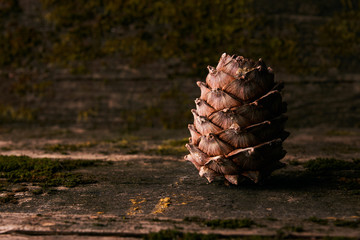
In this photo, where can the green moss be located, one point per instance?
(177, 142)
(341, 174)
(318, 220)
(123, 143)
(155, 26)
(99, 224)
(151, 30)
(171, 234)
(20, 113)
(331, 164)
(223, 223)
(42, 171)
(294, 162)
(193, 219)
(24, 84)
(77, 32)
(337, 132)
(338, 238)
(85, 115)
(20, 87)
(344, 25)
(170, 147)
(294, 228)
(230, 223)
(354, 191)
(345, 223)
(17, 43)
(127, 143)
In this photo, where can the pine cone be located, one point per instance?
(238, 125)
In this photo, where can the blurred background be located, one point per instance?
(129, 65)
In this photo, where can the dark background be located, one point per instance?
(133, 64)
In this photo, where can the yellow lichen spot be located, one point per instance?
(162, 205)
(136, 206)
(139, 201)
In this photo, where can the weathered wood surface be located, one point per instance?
(125, 200)
(325, 123)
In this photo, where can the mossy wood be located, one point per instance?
(239, 120)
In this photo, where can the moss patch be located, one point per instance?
(318, 220)
(193, 219)
(294, 162)
(294, 228)
(331, 164)
(78, 39)
(337, 132)
(230, 223)
(128, 143)
(147, 31)
(222, 223)
(345, 223)
(170, 147)
(170, 234)
(42, 171)
(341, 174)
(174, 234)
